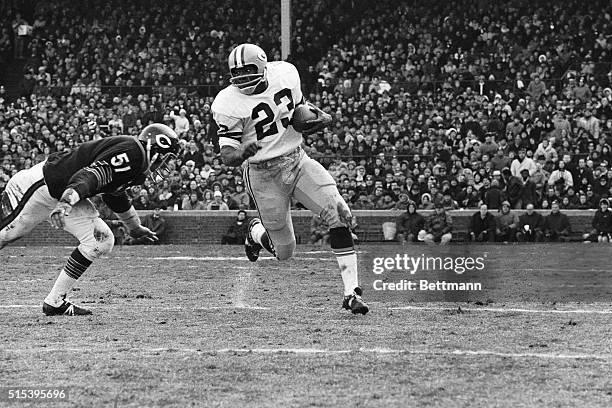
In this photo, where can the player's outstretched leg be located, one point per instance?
(341, 242)
(55, 303)
(96, 240)
(256, 239)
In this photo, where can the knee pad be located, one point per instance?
(99, 243)
(284, 251)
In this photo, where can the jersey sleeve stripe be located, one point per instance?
(102, 171)
(233, 135)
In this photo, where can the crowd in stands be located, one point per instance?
(452, 103)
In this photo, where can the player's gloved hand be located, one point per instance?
(58, 214)
(57, 217)
(323, 119)
(248, 150)
(140, 232)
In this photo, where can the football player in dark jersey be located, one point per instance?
(59, 188)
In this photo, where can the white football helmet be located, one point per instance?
(247, 65)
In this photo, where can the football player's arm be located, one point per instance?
(83, 184)
(322, 120)
(230, 131)
(122, 206)
(234, 157)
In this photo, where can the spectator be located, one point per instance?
(506, 224)
(438, 226)
(409, 224)
(601, 187)
(531, 226)
(513, 188)
(156, 223)
(536, 88)
(181, 123)
(217, 203)
(237, 232)
(193, 154)
(528, 191)
(561, 179)
(590, 123)
(501, 160)
(546, 150)
(192, 202)
(240, 199)
(558, 226)
(522, 162)
(602, 224)
(493, 197)
(482, 226)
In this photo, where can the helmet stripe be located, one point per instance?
(237, 60)
(242, 53)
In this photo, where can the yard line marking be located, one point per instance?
(502, 310)
(153, 307)
(325, 352)
(25, 281)
(238, 300)
(228, 258)
(196, 258)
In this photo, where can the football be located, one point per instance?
(301, 115)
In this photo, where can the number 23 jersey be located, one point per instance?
(264, 117)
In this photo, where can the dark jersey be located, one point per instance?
(106, 166)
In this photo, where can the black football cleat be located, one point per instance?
(252, 248)
(66, 308)
(355, 303)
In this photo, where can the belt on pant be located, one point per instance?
(266, 164)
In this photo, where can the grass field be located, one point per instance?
(178, 326)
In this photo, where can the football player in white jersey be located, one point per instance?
(254, 115)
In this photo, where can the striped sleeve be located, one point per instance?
(91, 179)
(230, 130)
(103, 172)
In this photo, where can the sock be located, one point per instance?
(74, 268)
(341, 242)
(260, 235)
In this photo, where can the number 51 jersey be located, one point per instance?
(264, 117)
(108, 165)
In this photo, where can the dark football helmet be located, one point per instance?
(162, 146)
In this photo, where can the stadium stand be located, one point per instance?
(432, 101)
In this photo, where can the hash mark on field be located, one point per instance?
(327, 352)
(244, 280)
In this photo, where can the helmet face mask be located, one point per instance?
(161, 144)
(160, 168)
(247, 66)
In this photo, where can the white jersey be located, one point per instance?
(265, 117)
